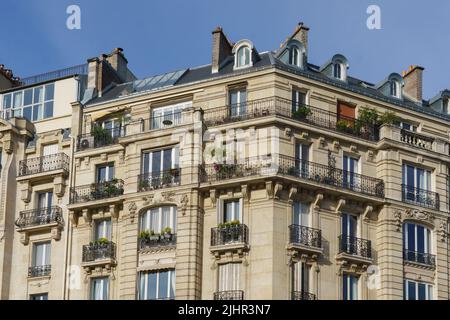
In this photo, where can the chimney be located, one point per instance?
(413, 83)
(221, 49)
(301, 34)
(119, 63)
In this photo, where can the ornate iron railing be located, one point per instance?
(99, 251)
(158, 180)
(417, 140)
(421, 197)
(169, 240)
(305, 236)
(37, 217)
(302, 295)
(229, 295)
(419, 257)
(229, 235)
(66, 72)
(39, 271)
(96, 191)
(58, 161)
(355, 246)
(299, 112)
(289, 166)
(99, 138)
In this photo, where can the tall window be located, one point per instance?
(406, 125)
(105, 173)
(416, 184)
(302, 159)
(230, 210)
(413, 290)
(103, 229)
(349, 228)
(169, 115)
(294, 56)
(100, 288)
(229, 277)
(337, 70)
(157, 285)
(301, 277)
(238, 102)
(41, 254)
(298, 99)
(301, 214)
(349, 287)
(395, 88)
(160, 166)
(44, 199)
(40, 296)
(243, 57)
(113, 126)
(416, 242)
(157, 219)
(350, 168)
(33, 103)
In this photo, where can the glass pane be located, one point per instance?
(37, 112)
(28, 98)
(163, 285)
(345, 287)
(167, 164)
(27, 113)
(172, 284)
(156, 162)
(101, 174)
(48, 110)
(296, 213)
(420, 239)
(151, 286)
(146, 161)
(422, 292)
(411, 290)
(7, 101)
(49, 91)
(165, 218)
(17, 99)
(38, 94)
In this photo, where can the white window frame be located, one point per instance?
(108, 167)
(295, 56)
(428, 289)
(175, 159)
(229, 276)
(103, 280)
(428, 238)
(146, 221)
(237, 65)
(427, 177)
(103, 225)
(46, 254)
(350, 276)
(338, 70)
(144, 276)
(221, 210)
(305, 212)
(159, 112)
(301, 275)
(47, 195)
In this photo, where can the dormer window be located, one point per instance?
(337, 70)
(294, 56)
(243, 57)
(445, 106)
(244, 54)
(395, 89)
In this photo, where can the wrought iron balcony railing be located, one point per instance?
(96, 191)
(417, 140)
(302, 295)
(39, 271)
(305, 236)
(420, 197)
(419, 257)
(289, 166)
(99, 138)
(299, 112)
(355, 246)
(232, 234)
(39, 217)
(58, 161)
(99, 251)
(229, 295)
(167, 240)
(158, 180)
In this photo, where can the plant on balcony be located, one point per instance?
(167, 178)
(292, 171)
(144, 235)
(167, 233)
(344, 126)
(388, 118)
(154, 236)
(102, 242)
(101, 135)
(228, 224)
(144, 184)
(302, 112)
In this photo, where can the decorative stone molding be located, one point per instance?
(56, 233)
(148, 200)
(353, 148)
(318, 200)
(370, 155)
(26, 193)
(104, 157)
(288, 132)
(8, 146)
(245, 192)
(168, 196)
(184, 203)
(292, 193)
(322, 143)
(269, 189)
(367, 212)
(114, 211)
(398, 220)
(87, 216)
(121, 157)
(336, 145)
(132, 208)
(419, 215)
(24, 238)
(442, 231)
(340, 205)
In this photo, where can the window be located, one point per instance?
(243, 57)
(300, 214)
(337, 70)
(229, 277)
(445, 106)
(157, 219)
(406, 126)
(157, 285)
(50, 149)
(230, 210)
(350, 168)
(100, 288)
(416, 243)
(298, 100)
(44, 203)
(105, 173)
(350, 287)
(103, 229)
(395, 88)
(349, 228)
(169, 115)
(40, 296)
(301, 277)
(295, 56)
(33, 103)
(302, 160)
(41, 254)
(413, 290)
(416, 184)
(238, 102)
(160, 166)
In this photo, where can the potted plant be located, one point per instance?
(144, 184)
(145, 234)
(388, 118)
(344, 126)
(235, 223)
(154, 236)
(167, 178)
(302, 112)
(292, 171)
(167, 233)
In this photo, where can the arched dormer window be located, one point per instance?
(337, 70)
(243, 52)
(395, 88)
(339, 66)
(293, 53)
(294, 56)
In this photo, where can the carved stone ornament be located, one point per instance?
(183, 203)
(419, 215)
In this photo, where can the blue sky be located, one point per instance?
(166, 35)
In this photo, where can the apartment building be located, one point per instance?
(258, 176)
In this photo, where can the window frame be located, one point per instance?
(144, 277)
(145, 220)
(92, 287)
(429, 288)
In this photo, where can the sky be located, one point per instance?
(165, 35)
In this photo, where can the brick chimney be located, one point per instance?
(221, 49)
(413, 83)
(301, 34)
(119, 63)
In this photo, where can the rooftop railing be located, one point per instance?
(417, 140)
(62, 73)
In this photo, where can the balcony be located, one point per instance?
(292, 167)
(416, 140)
(355, 249)
(420, 197)
(98, 138)
(40, 217)
(96, 191)
(229, 238)
(40, 165)
(419, 258)
(58, 74)
(98, 254)
(159, 180)
(302, 295)
(229, 295)
(305, 239)
(158, 241)
(284, 107)
(166, 121)
(39, 271)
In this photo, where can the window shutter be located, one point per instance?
(241, 210)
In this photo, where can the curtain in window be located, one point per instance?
(350, 167)
(229, 276)
(157, 219)
(301, 276)
(350, 287)
(157, 285)
(100, 288)
(42, 253)
(103, 230)
(300, 214)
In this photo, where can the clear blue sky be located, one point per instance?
(160, 36)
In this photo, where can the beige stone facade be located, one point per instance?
(255, 177)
